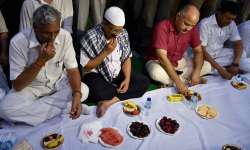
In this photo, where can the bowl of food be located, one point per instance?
(111, 137)
(138, 130)
(206, 112)
(230, 147)
(167, 125)
(52, 141)
(131, 108)
(239, 85)
(191, 93)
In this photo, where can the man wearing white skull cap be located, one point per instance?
(115, 16)
(106, 61)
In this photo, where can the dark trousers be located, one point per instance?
(100, 89)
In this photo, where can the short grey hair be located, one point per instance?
(45, 15)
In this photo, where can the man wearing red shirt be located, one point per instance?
(170, 40)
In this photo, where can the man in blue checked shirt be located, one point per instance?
(106, 61)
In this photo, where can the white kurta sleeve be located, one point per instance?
(203, 34)
(70, 56)
(67, 21)
(84, 59)
(17, 60)
(26, 15)
(235, 36)
(244, 30)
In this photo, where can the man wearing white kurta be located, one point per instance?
(64, 6)
(3, 56)
(41, 88)
(86, 8)
(244, 29)
(214, 32)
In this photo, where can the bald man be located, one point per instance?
(171, 38)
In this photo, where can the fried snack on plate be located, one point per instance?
(206, 111)
(239, 85)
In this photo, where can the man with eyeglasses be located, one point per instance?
(171, 38)
(106, 61)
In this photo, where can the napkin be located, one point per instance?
(90, 132)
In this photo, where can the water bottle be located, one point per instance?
(194, 100)
(147, 106)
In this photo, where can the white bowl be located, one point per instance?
(204, 117)
(160, 129)
(108, 145)
(135, 137)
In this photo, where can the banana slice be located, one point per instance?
(129, 106)
(52, 141)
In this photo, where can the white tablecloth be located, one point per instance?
(231, 126)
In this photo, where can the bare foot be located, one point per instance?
(104, 105)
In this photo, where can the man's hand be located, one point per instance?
(195, 78)
(233, 70)
(123, 86)
(95, 62)
(182, 88)
(76, 107)
(47, 51)
(111, 45)
(225, 74)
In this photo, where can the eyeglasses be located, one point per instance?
(115, 32)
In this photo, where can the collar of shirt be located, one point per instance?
(43, 2)
(213, 21)
(171, 27)
(33, 42)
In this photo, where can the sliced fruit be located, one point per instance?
(129, 106)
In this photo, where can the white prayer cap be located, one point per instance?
(115, 16)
